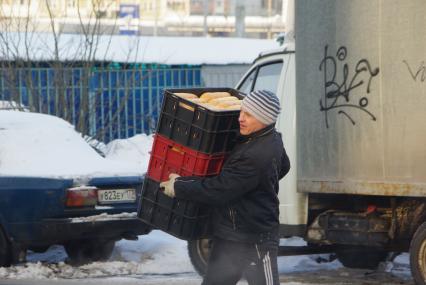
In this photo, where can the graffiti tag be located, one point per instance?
(339, 96)
(420, 73)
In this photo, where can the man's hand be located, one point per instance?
(169, 188)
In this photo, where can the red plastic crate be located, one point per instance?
(168, 157)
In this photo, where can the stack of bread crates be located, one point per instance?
(196, 129)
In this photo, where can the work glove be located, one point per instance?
(169, 185)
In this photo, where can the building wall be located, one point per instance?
(157, 17)
(151, 9)
(39, 9)
(227, 7)
(148, 8)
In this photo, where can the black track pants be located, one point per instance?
(230, 261)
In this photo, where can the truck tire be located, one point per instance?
(361, 257)
(199, 251)
(85, 251)
(418, 255)
(5, 250)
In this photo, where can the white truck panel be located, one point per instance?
(361, 96)
(293, 205)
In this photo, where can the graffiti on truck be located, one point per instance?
(339, 90)
(419, 74)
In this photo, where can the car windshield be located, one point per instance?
(39, 145)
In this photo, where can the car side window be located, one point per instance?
(268, 77)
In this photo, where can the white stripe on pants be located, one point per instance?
(267, 269)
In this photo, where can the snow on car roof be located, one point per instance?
(39, 145)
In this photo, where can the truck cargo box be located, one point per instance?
(361, 97)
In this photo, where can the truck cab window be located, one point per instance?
(264, 77)
(268, 77)
(245, 87)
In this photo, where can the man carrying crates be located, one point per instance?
(245, 219)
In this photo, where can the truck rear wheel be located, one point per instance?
(418, 255)
(199, 252)
(361, 257)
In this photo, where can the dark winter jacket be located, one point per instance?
(244, 194)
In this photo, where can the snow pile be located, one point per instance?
(152, 254)
(400, 266)
(135, 150)
(104, 217)
(33, 144)
(11, 105)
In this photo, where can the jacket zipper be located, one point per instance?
(232, 216)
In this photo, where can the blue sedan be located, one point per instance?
(55, 189)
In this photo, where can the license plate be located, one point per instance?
(116, 196)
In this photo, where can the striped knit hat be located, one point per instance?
(263, 105)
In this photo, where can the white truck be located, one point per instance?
(354, 126)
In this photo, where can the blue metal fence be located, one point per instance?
(104, 102)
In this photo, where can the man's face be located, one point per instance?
(249, 124)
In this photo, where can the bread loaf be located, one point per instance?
(225, 104)
(223, 99)
(204, 100)
(233, 107)
(196, 100)
(209, 106)
(186, 95)
(215, 101)
(214, 95)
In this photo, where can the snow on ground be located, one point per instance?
(152, 254)
(160, 254)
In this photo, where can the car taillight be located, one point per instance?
(81, 196)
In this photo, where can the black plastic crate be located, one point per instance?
(181, 218)
(197, 127)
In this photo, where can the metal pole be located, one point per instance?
(205, 13)
(269, 18)
(155, 17)
(240, 14)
